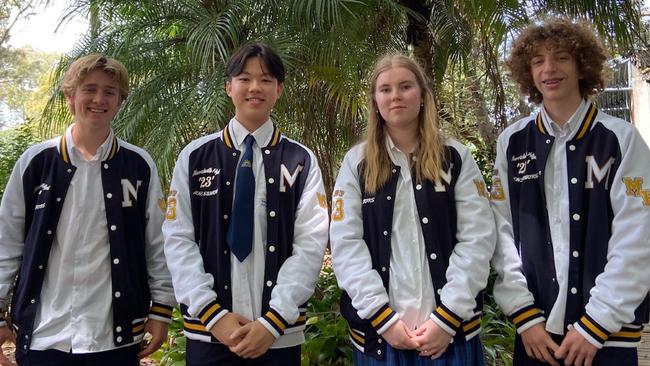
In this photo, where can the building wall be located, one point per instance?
(641, 104)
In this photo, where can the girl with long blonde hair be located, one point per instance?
(412, 231)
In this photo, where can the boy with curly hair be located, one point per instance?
(572, 204)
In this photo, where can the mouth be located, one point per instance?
(255, 99)
(552, 81)
(98, 110)
(395, 108)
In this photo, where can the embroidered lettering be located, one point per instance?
(162, 205)
(446, 176)
(39, 207)
(337, 211)
(594, 170)
(633, 186)
(368, 200)
(322, 200)
(645, 195)
(480, 188)
(171, 206)
(42, 187)
(289, 178)
(129, 191)
(497, 193)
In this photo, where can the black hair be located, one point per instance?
(271, 60)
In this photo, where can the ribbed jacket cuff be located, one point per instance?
(383, 319)
(211, 313)
(161, 312)
(595, 333)
(274, 322)
(447, 319)
(526, 317)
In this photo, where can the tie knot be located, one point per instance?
(249, 140)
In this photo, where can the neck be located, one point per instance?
(251, 126)
(561, 111)
(406, 139)
(88, 140)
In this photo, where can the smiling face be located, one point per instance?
(254, 93)
(556, 75)
(398, 97)
(95, 101)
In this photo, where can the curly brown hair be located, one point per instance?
(576, 38)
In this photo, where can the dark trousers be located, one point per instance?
(212, 354)
(605, 356)
(126, 356)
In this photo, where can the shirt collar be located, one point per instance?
(571, 125)
(102, 152)
(262, 135)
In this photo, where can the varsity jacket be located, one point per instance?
(459, 239)
(609, 205)
(198, 216)
(29, 214)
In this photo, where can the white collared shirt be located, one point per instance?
(410, 289)
(75, 311)
(556, 190)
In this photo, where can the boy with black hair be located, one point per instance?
(246, 227)
(80, 222)
(572, 205)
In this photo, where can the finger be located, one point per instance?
(439, 353)
(242, 319)
(570, 357)
(240, 332)
(548, 357)
(529, 351)
(550, 343)
(561, 351)
(579, 359)
(589, 359)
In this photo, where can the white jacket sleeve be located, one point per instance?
(350, 255)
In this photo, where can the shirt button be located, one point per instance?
(116, 261)
(105, 166)
(58, 199)
(425, 220)
(574, 290)
(227, 182)
(569, 327)
(418, 186)
(49, 232)
(118, 329)
(113, 227)
(378, 351)
(383, 269)
(574, 180)
(117, 294)
(271, 180)
(119, 339)
(548, 141)
(576, 217)
(69, 170)
(394, 170)
(234, 154)
(40, 266)
(553, 279)
(272, 213)
(267, 151)
(225, 287)
(32, 301)
(389, 198)
(225, 251)
(572, 147)
(385, 233)
(575, 254)
(380, 341)
(433, 256)
(271, 248)
(269, 283)
(438, 291)
(225, 217)
(109, 195)
(25, 347)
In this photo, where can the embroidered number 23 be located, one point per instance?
(337, 210)
(205, 182)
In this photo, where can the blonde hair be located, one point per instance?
(79, 69)
(429, 152)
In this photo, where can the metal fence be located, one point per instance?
(616, 99)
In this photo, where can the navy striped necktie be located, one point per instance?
(240, 230)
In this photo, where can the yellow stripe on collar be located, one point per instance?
(587, 122)
(63, 150)
(226, 137)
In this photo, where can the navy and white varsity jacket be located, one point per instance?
(608, 178)
(198, 215)
(459, 238)
(29, 214)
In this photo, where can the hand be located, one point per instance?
(6, 335)
(255, 340)
(224, 328)
(158, 331)
(432, 339)
(539, 344)
(399, 336)
(576, 350)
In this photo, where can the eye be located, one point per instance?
(243, 79)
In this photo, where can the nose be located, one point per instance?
(255, 85)
(99, 97)
(395, 94)
(549, 65)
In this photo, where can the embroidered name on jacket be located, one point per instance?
(129, 191)
(289, 178)
(205, 178)
(521, 163)
(594, 170)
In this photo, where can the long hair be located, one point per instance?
(429, 151)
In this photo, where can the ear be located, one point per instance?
(228, 88)
(280, 89)
(69, 99)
